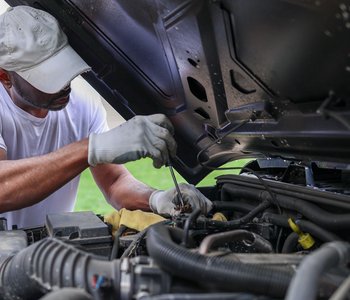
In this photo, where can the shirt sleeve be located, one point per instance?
(91, 107)
(99, 118)
(2, 142)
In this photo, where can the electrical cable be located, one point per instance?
(133, 245)
(115, 247)
(139, 237)
(191, 218)
(279, 237)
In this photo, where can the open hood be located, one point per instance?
(237, 78)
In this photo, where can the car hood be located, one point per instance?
(237, 78)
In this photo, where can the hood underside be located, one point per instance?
(237, 78)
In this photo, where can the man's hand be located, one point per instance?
(163, 202)
(141, 136)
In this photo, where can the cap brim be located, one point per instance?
(56, 72)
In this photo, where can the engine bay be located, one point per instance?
(237, 79)
(259, 234)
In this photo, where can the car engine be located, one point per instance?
(238, 79)
(259, 242)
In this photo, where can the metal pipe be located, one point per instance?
(251, 240)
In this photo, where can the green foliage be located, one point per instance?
(91, 198)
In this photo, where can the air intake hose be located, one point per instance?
(218, 271)
(52, 264)
(305, 283)
(67, 294)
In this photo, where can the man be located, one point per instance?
(49, 133)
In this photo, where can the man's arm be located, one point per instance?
(25, 182)
(120, 188)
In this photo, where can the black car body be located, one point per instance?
(262, 79)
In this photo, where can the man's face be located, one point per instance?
(26, 94)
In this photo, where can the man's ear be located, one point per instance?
(5, 78)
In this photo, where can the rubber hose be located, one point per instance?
(67, 294)
(343, 291)
(322, 234)
(309, 210)
(250, 215)
(279, 220)
(304, 285)
(290, 243)
(51, 264)
(306, 226)
(232, 205)
(234, 224)
(211, 296)
(189, 221)
(291, 190)
(218, 271)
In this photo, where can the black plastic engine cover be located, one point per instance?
(81, 228)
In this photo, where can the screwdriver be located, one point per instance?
(180, 202)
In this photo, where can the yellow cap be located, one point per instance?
(219, 217)
(305, 239)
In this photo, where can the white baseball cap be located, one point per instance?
(33, 45)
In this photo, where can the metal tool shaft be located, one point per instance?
(179, 196)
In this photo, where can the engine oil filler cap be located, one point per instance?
(305, 239)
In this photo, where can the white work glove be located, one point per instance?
(163, 202)
(141, 136)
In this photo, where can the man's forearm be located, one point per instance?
(120, 188)
(132, 194)
(27, 181)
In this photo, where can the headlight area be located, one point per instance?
(274, 242)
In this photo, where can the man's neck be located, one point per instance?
(34, 111)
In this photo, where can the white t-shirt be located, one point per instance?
(23, 135)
